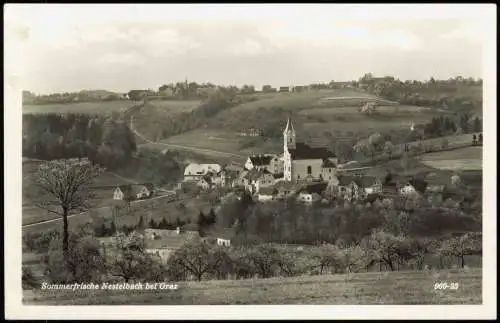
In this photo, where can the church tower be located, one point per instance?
(289, 136)
(288, 143)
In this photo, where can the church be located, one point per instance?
(304, 163)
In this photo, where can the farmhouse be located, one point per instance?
(195, 172)
(302, 162)
(164, 244)
(350, 188)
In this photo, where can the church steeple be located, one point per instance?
(289, 136)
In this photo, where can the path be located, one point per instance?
(195, 149)
(102, 207)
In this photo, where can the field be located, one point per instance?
(107, 107)
(395, 288)
(104, 185)
(469, 158)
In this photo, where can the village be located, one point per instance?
(304, 174)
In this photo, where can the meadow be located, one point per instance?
(390, 288)
(169, 107)
(469, 158)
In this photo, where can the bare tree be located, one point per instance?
(64, 183)
(197, 258)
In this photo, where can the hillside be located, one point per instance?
(397, 288)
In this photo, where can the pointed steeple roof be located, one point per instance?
(289, 126)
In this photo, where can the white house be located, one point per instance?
(134, 191)
(311, 193)
(407, 189)
(223, 242)
(306, 197)
(371, 185)
(194, 172)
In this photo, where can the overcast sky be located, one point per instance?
(127, 47)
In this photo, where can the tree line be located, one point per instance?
(105, 140)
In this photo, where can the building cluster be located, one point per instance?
(307, 173)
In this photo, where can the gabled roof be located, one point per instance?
(368, 181)
(303, 151)
(201, 169)
(261, 160)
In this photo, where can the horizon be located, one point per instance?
(257, 88)
(66, 48)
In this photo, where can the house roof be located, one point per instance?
(327, 163)
(261, 160)
(267, 191)
(304, 151)
(130, 189)
(368, 180)
(201, 169)
(317, 188)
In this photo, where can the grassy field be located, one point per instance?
(80, 107)
(469, 158)
(394, 288)
(106, 107)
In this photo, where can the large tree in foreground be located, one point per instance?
(65, 187)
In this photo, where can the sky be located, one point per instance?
(122, 47)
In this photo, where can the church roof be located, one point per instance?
(303, 151)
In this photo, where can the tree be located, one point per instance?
(383, 247)
(130, 258)
(65, 184)
(480, 138)
(459, 247)
(140, 224)
(352, 258)
(196, 258)
(325, 257)
(474, 139)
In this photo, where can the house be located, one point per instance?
(284, 89)
(259, 179)
(221, 237)
(220, 179)
(328, 170)
(205, 182)
(145, 191)
(133, 191)
(195, 172)
(298, 88)
(371, 185)
(406, 189)
(285, 189)
(269, 162)
(350, 188)
(267, 194)
(164, 245)
(311, 193)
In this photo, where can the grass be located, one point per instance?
(106, 107)
(80, 107)
(394, 288)
(469, 158)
